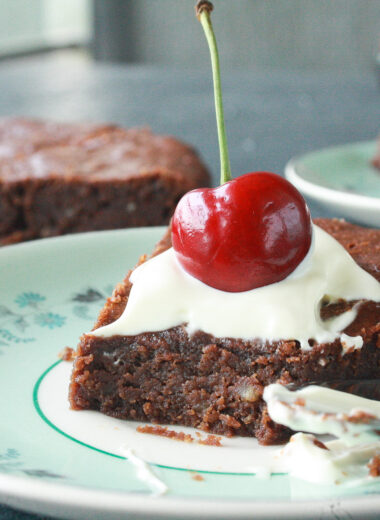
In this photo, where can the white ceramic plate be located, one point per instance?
(68, 464)
(340, 179)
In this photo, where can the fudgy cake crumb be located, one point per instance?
(216, 384)
(162, 431)
(58, 178)
(67, 354)
(197, 477)
(320, 444)
(374, 466)
(211, 440)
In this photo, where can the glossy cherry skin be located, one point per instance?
(250, 232)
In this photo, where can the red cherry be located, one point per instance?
(249, 232)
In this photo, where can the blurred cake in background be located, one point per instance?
(58, 178)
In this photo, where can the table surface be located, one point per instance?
(270, 117)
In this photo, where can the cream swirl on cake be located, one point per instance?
(354, 421)
(163, 296)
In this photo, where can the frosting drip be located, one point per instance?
(163, 296)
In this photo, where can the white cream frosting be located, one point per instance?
(324, 411)
(145, 473)
(163, 295)
(321, 410)
(339, 464)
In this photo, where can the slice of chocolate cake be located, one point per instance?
(216, 384)
(58, 178)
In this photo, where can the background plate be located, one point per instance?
(50, 292)
(341, 179)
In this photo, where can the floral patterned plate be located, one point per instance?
(341, 179)
(50, 292)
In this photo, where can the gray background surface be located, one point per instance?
(252, 34)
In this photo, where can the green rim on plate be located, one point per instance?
(341, 180)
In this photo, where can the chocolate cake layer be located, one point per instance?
(64, 178)
(216, 384)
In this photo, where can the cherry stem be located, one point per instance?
(203, 10)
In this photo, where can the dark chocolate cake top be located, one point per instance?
(41, 149)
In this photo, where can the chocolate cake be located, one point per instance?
(58, 178)
(216, 384)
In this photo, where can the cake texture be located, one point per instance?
(216, 384)
(58, 178)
